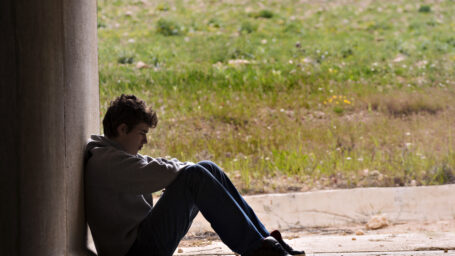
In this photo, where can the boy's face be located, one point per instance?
(132, 141)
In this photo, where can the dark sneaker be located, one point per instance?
(277, 235)
(269, 247)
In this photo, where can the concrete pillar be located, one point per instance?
(49, 104)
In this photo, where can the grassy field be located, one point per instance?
(291, 95)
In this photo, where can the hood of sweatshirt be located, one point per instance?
(99, 141)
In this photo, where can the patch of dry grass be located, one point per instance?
(268, 146)
(401, 104)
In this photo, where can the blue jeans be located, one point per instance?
(201, 187)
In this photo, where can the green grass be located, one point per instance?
(288, 95)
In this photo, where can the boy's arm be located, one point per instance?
(134, 174)
(172, 160)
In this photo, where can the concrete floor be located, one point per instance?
(420, 221)
(432, 243)
(403, 253)
(414, 238)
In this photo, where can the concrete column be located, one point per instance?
(49, 104)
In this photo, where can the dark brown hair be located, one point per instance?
(130, 110)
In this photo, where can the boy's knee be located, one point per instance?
(194, 169)
(197, 171)
(207, 164)
(212, 168)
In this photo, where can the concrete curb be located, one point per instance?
(340, 207)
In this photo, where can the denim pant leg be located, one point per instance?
(195, 189)
(226, 182)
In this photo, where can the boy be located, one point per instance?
(119, 205)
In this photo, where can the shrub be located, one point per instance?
(266, 14)
(425, 8)
(125, 59)
(247, 27)
(162, 8)
(338, 110)
(442, 175)
(168, 28)
(214, 23)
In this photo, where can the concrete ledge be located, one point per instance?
(339, 207)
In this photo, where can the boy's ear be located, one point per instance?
(122, 129)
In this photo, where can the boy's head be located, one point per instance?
(127, 120)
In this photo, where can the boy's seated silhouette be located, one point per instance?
(119, 205)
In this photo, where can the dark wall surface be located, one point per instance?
(9, 196)
(49, 106)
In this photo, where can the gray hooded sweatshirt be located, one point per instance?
(117, 192)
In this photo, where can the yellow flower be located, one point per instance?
(347, 102)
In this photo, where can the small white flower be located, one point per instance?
(348, 158)
(408, 134)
